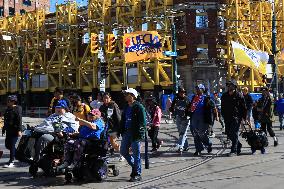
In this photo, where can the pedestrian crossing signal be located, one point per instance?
(94, 43)
(111, 43)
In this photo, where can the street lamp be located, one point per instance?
(274, 49)
(20, 56)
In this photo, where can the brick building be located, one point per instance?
(7, 7)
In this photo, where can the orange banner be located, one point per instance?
(142, 45)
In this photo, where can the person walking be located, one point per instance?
(80, 109)
(132, 130)
(233, 109)
(280, 110)
(249, 103)
(218, 116)
(168, 106)
(265, 108)
(201, 110)
(180, 108)
(155, 116)
(58, 95)
(112, 117)
(12, 127)
(96, 104)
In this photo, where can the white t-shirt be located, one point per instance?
(96, 104)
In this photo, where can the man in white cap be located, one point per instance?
(132, 129)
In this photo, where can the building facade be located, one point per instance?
(10, 7)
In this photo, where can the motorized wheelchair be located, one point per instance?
(51, 156)
(93, 164)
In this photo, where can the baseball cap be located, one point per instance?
(201, 86)
(132, 91)
(95, 112)
(12, 98)
(61, 104)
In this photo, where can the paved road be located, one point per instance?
(171, 170)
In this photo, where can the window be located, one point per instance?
(11, 11)
(27, 2)
(22, 11)
(201, 19)
(1, 11)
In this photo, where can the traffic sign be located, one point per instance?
(170, 53)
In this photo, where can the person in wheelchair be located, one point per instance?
(89, 130)
(57, 123)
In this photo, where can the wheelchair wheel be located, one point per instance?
(100, 170)
(33, 169)
(68, 177)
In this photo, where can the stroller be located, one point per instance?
(93, 164)
(257, 139)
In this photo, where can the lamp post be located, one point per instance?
(274, 50)
(174, 58)
(20, 54)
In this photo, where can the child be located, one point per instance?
(155, 115)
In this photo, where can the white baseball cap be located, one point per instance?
(132, 91)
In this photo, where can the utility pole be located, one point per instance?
(274, 50)
(174, 58)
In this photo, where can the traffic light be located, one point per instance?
(94, 43)
(111, 43)
(167, 43)
(104, 69)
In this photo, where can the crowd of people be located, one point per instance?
(86, 120)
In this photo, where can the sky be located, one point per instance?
(53, 2)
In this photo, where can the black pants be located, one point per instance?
(232, 127)
(10, 143)
(153, 134)
(267, 126)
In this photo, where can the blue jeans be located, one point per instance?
(181, 126)
(10, 143)
(199, 131)
(281, 116)
(133, 160)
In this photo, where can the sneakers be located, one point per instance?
(253, 151)
(262, 151)
(160, 144)
(9, 165)
(281, 128)
(197, 153)
(209, 149)
(135, 178)
(239, 150)
(276, 142)
(154, 150)
(121, 158)
(212, 135)
(232, 154)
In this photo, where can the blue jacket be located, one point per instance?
(280, 105)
